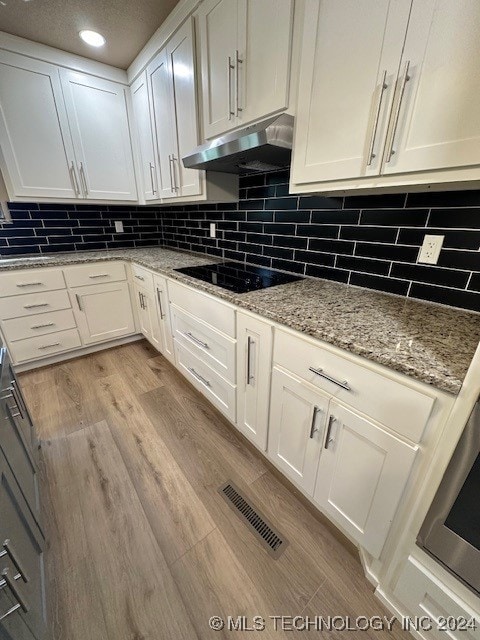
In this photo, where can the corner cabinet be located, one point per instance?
(381, 85)
(63, 134)
(245, 48)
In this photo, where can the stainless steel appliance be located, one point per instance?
(265, 146)
(451, 531)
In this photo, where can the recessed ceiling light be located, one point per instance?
(92, 38)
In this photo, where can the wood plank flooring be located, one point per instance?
(140, 544)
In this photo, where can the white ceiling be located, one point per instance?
(127, 25)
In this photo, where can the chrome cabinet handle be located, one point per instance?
(250, 342)
(79, 304)
(42, 326)
(35, 306)
(199, 377)
(322, 374)
(170, 170)
(328, 439)
(398, 108)
(18, 405)
(197, 340)
(15, 607)
(7, 580)
(152, 169)
(139, 277)
(73, 178)
(174, 171)
(29, 284)
(230, 66)
(313, 428)
(140, 297)
(99, 275)
(173, 175)
(83, 179)
(47, 346)
(238, 61)
(144, 301)
(160, 308)
(10, 552)
(371, 147)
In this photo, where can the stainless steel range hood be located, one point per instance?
(265, 146)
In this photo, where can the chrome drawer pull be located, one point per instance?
(159, 298)
(15, 591)
(152, 170)
(42, 326)
(197, 340)
(322, 374)
(47, 346)
(199, 377)
(139, 277)
(99, 275)
(15, 607)
(396, 118)
(250, 376)
(9, 551)
(313, 428)
(79, 303)
(35, 306)
(17, 402)
(29, 284)
(328, 439)
(371, 149)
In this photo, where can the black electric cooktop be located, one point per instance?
(238, 277)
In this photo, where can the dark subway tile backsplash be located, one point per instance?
(365, 240)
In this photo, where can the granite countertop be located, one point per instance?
(426, 341)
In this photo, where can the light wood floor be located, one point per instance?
(140, 544)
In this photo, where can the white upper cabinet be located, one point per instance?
(97, 114)
(143, 124)
(34, 136)
(245, 51)
(171, 76)
(436, 121)
(350, 59)
(361, 477)
(387, 94)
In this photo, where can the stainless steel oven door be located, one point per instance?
(451, 531)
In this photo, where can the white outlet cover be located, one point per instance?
(213, 230)
(430, 249)
(118, 226)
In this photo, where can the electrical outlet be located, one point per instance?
(118, 226)
(430, 249)
(213, 230)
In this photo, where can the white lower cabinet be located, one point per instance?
(297, 423)
(163, 314)
(361, 477)
(254, 362)
(147, 316)
(103, 311)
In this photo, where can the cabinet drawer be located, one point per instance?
(213, 312)
(423, 594)
(215, 349)
(43, 346)
(388, 401)
(220, 392)
(94, 273)
(31, 280)
(143, 277)
(33, 303)
(38, 325)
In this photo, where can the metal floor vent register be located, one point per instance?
(260, 527)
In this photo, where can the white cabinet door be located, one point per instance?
(143, 124)
(218, 24)
(161, 89)
(97, 113)
(350, 59)
(297, 422)
(163, 314)
(254, 362)
(361, 477)
(182, 70)
(265, 33)
(103, 311)
(148, 316)
(438, 123)
(34, 134)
